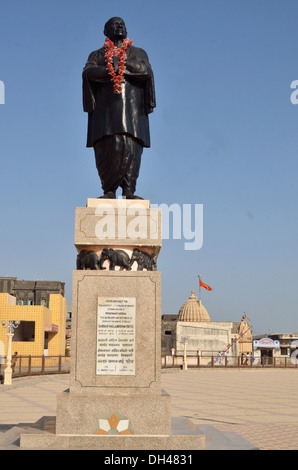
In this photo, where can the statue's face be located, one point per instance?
(115, 28)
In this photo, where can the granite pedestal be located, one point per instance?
(115, 399)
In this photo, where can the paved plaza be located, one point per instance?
(233, 408)
(259, 406)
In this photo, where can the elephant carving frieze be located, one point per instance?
(112, 258)
(144, 260)
(116, 258)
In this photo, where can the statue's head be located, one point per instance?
(115, 28)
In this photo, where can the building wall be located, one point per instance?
(6, 284)
(168, 334)
(37, 314)
(57, 340)
(203, 336)
(31, 292)
(40, 316)
(7, 299)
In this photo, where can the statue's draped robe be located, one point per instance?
(124, 116)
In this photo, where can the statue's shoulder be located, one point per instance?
(138, 52)
(97, 53)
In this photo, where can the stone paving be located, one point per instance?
(234, 408)
(259, 405)
(28, 399)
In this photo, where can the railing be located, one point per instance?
(168, 362)
(43, 365)
(37, 365)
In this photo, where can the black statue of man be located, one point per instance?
(118, 94)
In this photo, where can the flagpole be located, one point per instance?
(200, 275)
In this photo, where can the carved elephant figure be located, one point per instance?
(144, 260)
(116, 258)
(88, 260)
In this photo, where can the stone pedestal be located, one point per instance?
(115, 399)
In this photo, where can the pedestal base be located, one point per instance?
(190, 440)
(100, 415)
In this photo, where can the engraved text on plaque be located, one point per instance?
(116, 336)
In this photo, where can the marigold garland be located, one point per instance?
(120, 52)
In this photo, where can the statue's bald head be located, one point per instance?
(115, 27)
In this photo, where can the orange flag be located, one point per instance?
(205, 285)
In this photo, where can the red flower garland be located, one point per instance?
(120, 52)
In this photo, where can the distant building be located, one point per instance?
(203, 336)
(31, 292)
(281, 348)
(41, 330)
(40, 306)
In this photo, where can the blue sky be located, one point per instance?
(223, 134)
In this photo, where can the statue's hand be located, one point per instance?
(136, 67)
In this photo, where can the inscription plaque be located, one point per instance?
(116, 336)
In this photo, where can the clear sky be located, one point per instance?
(224, 134)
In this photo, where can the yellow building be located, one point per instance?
(41, 331)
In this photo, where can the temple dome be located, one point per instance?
(193, 310)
